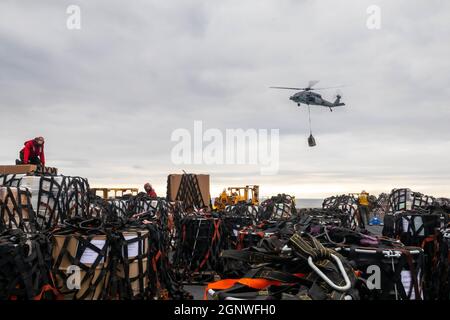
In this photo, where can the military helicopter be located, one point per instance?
(307, 96)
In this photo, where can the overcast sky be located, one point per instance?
(107, 97)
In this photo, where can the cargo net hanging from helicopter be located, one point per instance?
(311, 140)
(309, 97)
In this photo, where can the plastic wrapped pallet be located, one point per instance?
(15, 209)
(56, 198)
(10, 180)
(404, 199)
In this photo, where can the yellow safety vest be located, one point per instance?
(364, 199)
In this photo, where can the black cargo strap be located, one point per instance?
(308, 246)
(12, 211)
(252, 257)
(25, 262)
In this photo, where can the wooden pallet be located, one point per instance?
(26, 168)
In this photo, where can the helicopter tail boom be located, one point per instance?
(337, 102)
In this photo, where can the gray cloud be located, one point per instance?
(108, 96)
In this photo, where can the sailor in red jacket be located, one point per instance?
(150, 191)
(33, 152)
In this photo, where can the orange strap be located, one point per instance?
(215, 235)
(254, 283)
(426, 240)
(47, 288)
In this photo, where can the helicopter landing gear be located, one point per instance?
(331, 110)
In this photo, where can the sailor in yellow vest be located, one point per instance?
(363, 201)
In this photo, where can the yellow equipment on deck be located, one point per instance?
(249, 193)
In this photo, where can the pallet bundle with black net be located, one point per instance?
(279, 207)
(381, 206)
(25, 264)
(98, 207)
(199, 244)
(251, 235)
(114, 261)
(16, 211)
(347, 204)
(54, 198)
(442, 269)
(235, 218)
(155, 210)
(404, 199)
(418, 220)
(10, 180)
(387, 269)
(329, 216)
(113, 208)
(192, 190)
(25, 252)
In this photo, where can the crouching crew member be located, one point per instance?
(33, 152)
(149, 190)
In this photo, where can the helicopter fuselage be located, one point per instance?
(313, 98)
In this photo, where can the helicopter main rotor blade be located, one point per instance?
(288, 88)
(325, 88)
(312, 83)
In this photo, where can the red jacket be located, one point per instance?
(32, 150)
(152, 194)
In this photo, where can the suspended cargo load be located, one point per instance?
(311, 141)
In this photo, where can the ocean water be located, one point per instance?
(300, 203)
